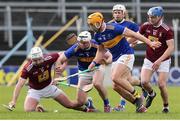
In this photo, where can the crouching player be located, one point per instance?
(85, 51)
(38, 71)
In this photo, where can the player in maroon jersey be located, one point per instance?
(157, 59)
(38, 71)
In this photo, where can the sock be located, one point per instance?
(165, 105)
(145, 94)
(134, 102)
(151, 93)
(84, 109)
(106, 102)
(122, 102)
(87, 104)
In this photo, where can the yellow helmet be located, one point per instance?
(95, 20)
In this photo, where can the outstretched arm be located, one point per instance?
(107, 58)
(129, 33)
(17, 90)
(167, 53)
(60, 65)
(99, 56)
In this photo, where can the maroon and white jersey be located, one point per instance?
(39, 75)
(161, 34)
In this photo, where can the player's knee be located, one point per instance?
(80, 103)
(114, 79)
(97, 85)
(114, 86)
(161, 85)
(144, 83)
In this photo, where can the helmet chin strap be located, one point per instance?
(120, 21)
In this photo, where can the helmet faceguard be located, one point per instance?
(36, 55)
(119, 7)
(84, 36)
(84, 39)
(119, 12)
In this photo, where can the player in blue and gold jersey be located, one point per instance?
(85, 50)
(111, 36)
(120, 16)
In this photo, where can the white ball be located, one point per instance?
(55, 111)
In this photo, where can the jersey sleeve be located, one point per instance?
(71, 51)
(142, 28)
(96, 40)
(119, 29)
(52, 57)
(24, 74)
(169, 35)
(134, 27)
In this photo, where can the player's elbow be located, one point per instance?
(20, 84)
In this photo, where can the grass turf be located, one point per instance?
(154, 112)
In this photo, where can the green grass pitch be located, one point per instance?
(154, 112)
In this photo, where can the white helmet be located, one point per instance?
(36, 52)
(119, 7)
(84, 36)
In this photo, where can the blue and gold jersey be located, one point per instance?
(84, 57)
(129, 24)
(112, 39)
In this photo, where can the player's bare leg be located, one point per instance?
(98, 78)
(82, 96)
(163, 76)
(66, 102)
(137, 82)
(123, 87)
(145, 79)
(30, 104)
(124, 93)
(134, 82)
(120, 75)
(134, 99)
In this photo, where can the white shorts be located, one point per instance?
(86, 78)
(164, 67)
(127, 59)
(51, 91)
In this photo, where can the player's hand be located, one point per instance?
(156, 65)
(133, 44)
(155, 45)
(54, 82)
(92, 65)
(12, 104)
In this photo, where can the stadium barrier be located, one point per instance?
(7, 72)
(47, 43)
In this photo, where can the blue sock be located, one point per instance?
(122, 102)
(88, 104)
(106, 102)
